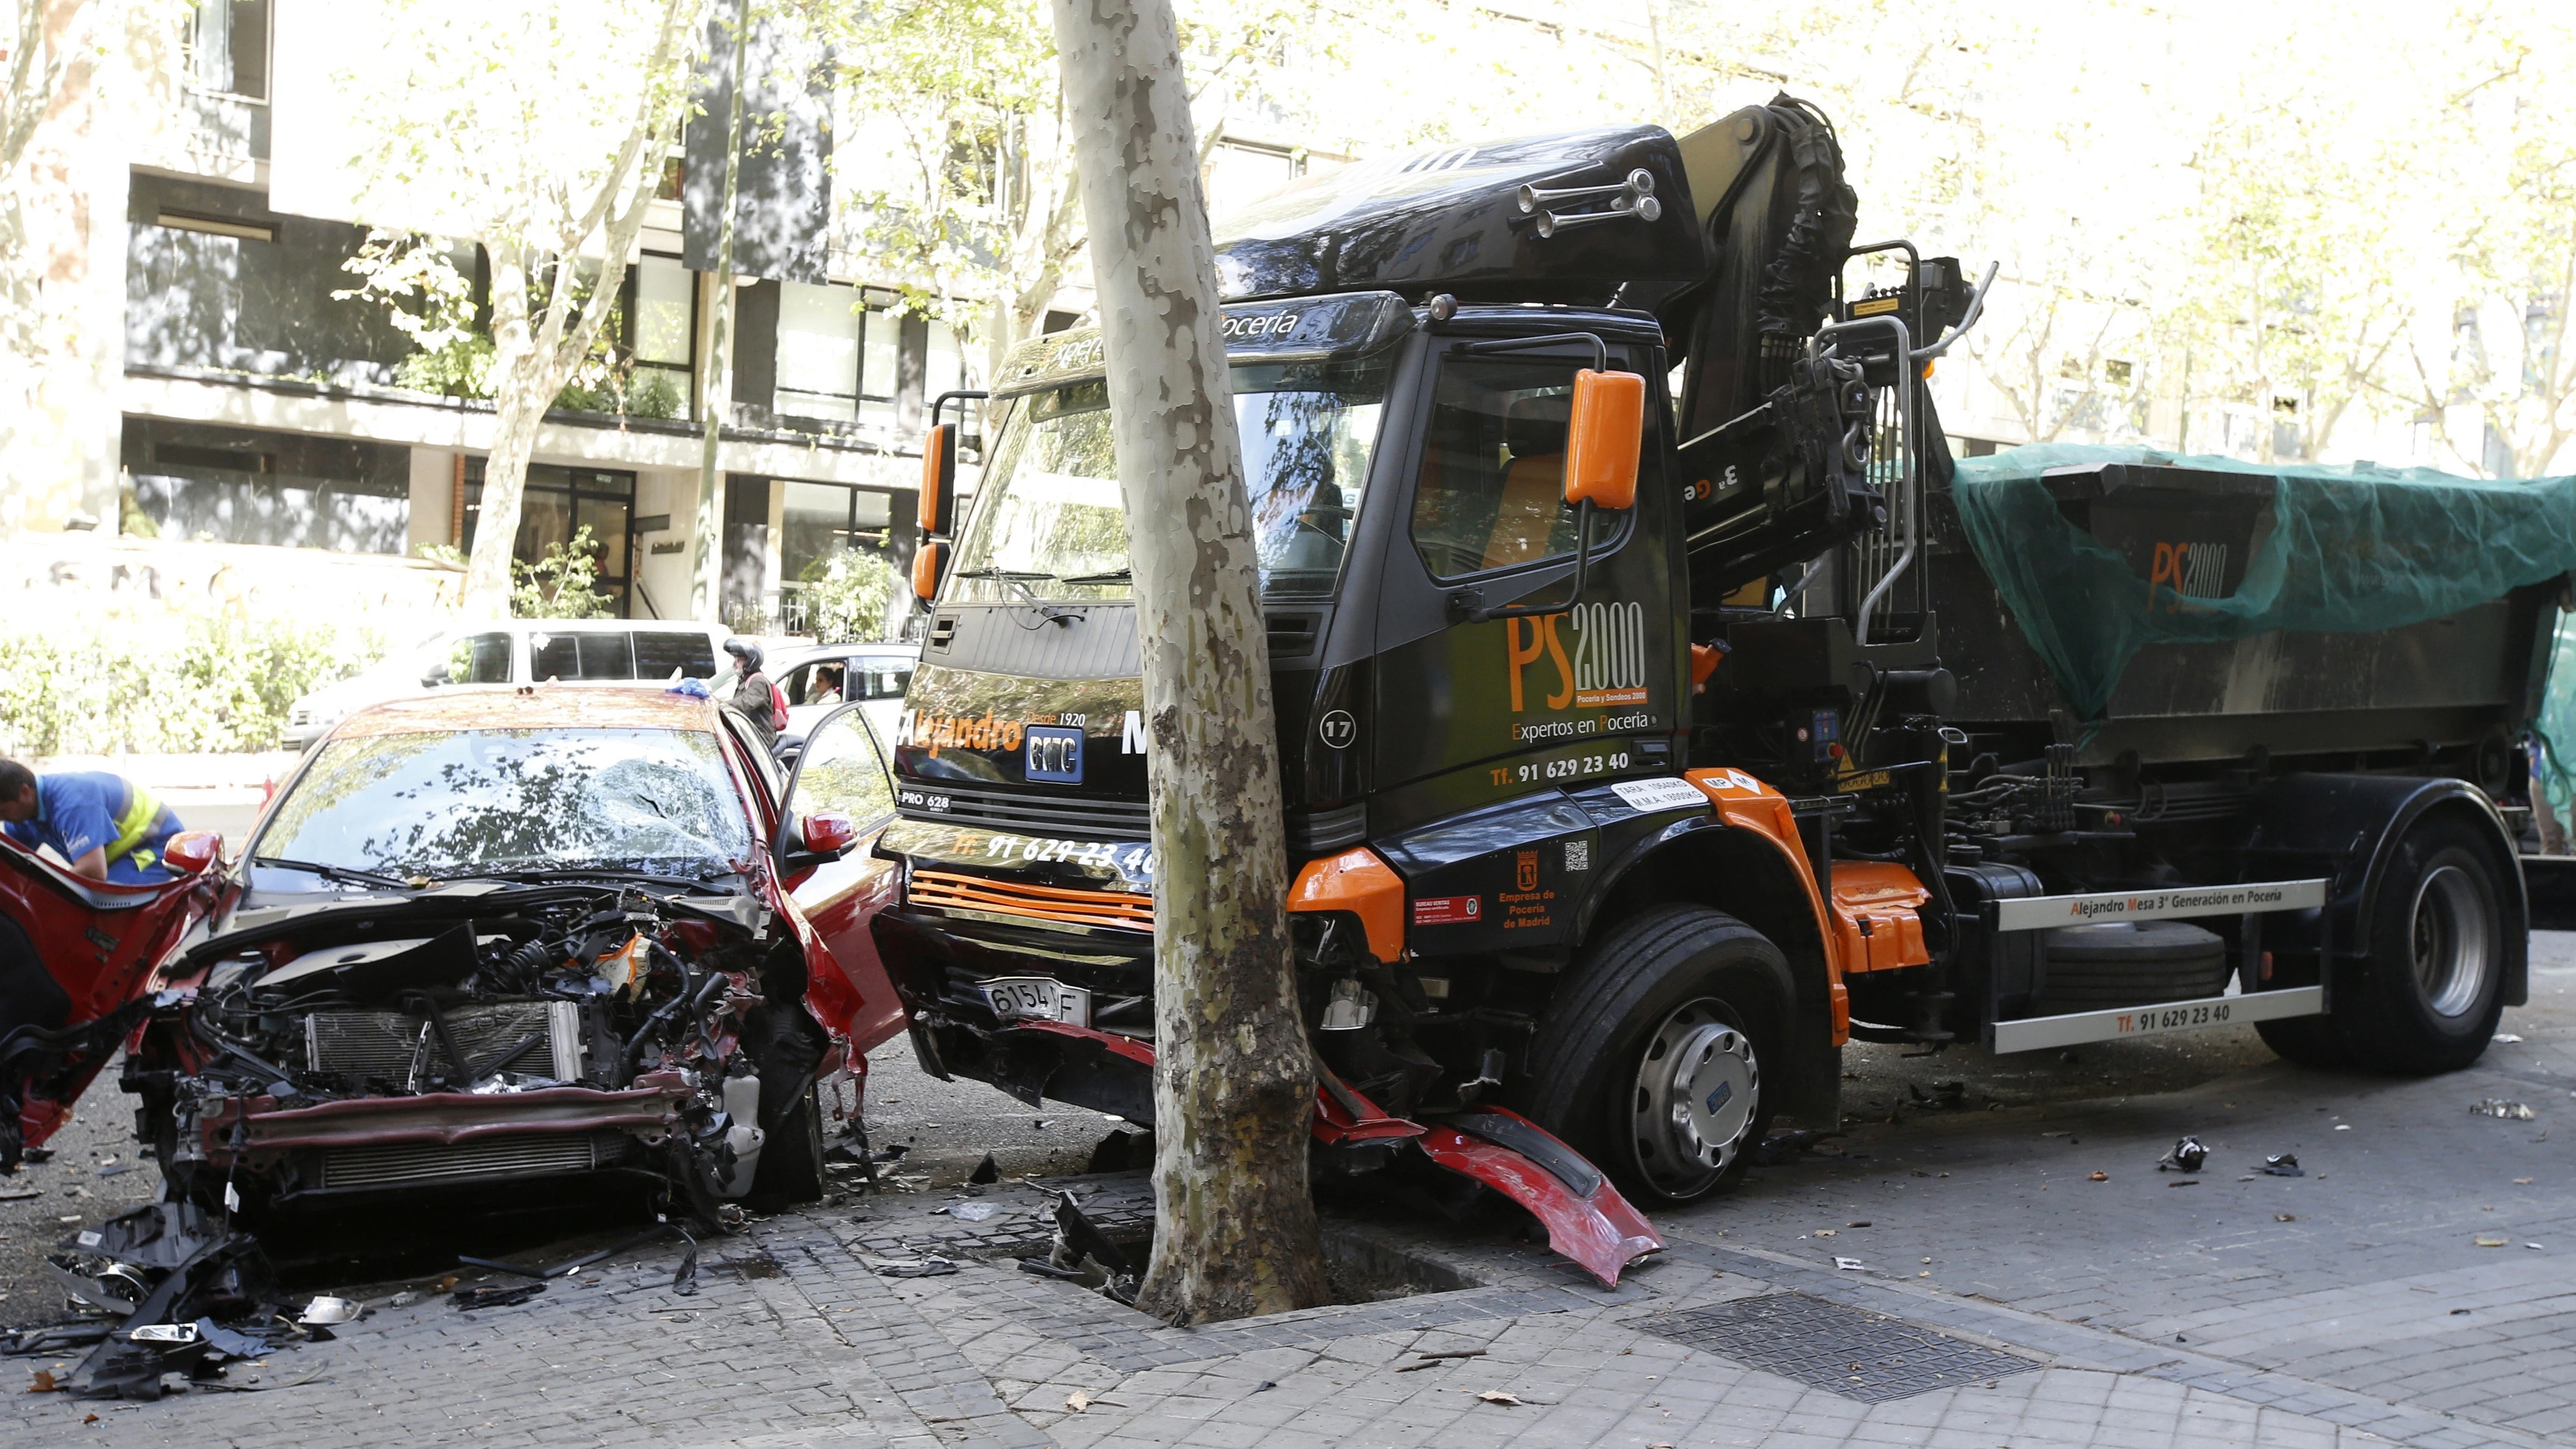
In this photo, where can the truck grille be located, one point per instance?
(398, 1047)
(1030, 812)
(952, 891)
(400, 1162)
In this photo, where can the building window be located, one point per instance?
(662, 334)
(236, 485)
(228, 47)
(558, 503)
(824, 519)
(836, 354)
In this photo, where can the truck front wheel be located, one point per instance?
(1651, 1058)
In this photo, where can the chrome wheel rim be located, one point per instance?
(1698, 1085)
(2451, 941)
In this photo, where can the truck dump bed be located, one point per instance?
(2193, 608)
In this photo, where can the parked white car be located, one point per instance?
(816, 677)
(518, 651)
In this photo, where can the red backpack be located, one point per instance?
(777, 706)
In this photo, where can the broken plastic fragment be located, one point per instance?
(2487, 1241)
(986, 1172)
(2282, 1164)
(2100, 1177)
(2186, 1156)
(324, 1311)
(923, 1267)
(1851, 1265)
(2499, 1107)
(972, 1212)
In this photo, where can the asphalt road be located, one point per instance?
(1889, 1096)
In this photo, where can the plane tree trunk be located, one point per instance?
(1234, 1081)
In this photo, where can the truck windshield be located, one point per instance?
(1048, 521)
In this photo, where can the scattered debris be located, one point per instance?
(470, 1299)
(2285, 1217)
(2186, 1156)
(684, 1279)
(2507, 1036)
(922, 1267)
(1944, 1097)
(1441, 1353)
(986, 1172)
(1077, 1401)
(1785, 1145)
(1851, 1265)
(1083, 1254)
(570, 1266)
(20, 1194)
(1824, 1232)
(1503, 1397)
(1864, 1222)
(188, 1292)
(2099, 1177)
(2535, 1247)
(2499, 1107)
(2486, 1240)
(2184, 1182)
(2522, 1182)
(969, 1212)
(2282, 1164)
(2343, 1126)
(322, 1312)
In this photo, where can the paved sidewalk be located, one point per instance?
(2007, 1299)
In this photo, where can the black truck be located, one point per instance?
(1622, 820)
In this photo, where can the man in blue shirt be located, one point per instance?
(109, 828)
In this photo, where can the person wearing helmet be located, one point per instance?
(754, 698)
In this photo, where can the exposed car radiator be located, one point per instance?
(398, 1047)
(399, 1162)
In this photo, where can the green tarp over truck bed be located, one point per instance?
(2347, 550)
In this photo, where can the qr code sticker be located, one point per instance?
(1578, 855)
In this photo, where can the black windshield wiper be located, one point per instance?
(1017, 579)
(341, 873)
(1106, 576)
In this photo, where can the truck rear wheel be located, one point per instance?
(1651, 1058)
(2433, 989)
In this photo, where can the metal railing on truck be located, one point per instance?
(2252, 901)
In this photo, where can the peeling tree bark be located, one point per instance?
(1234, 1081)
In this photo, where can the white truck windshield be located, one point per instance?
(1048, 521)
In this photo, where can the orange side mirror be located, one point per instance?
(938, 478)
(927, 562)
(1603, 439)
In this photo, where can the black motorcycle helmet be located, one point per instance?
(747, 652)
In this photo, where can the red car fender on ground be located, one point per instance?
(1587, 1221)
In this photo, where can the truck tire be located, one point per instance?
(1650, 1060)
(791, 1163)
(2430, 995)
(2131, 963)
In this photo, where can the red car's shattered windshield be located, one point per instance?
(477, 801)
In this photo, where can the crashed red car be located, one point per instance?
(483, 937)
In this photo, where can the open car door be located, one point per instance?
(76, 959)
(840, 793)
